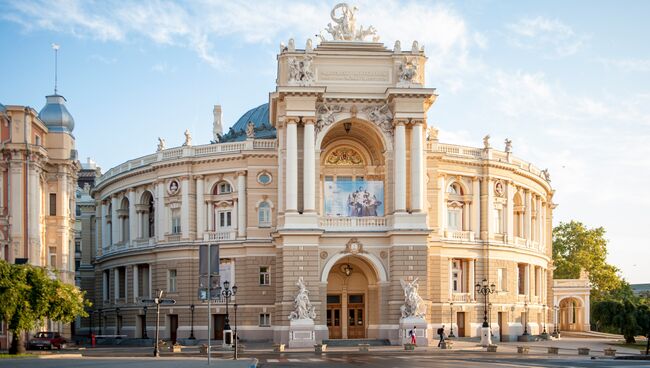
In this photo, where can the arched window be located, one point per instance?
(264, 214)
(455, 207)
(454, 189)
(223, 188)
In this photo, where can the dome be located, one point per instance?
(55, 116)
(259, 116)
(3, 109)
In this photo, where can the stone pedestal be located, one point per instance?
(421, 332)
(227, 338)
(301, 333)
(486, 337)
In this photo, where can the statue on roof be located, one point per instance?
(345, 25)
(161, 144)
(188, 138)
(250, 130)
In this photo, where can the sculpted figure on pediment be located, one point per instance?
(161, 144)
(381, 116)
(408, 72)
(345, 25)
(326, 115)
(300, 71)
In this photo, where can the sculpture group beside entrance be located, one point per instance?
(413, 312)
(301, 328)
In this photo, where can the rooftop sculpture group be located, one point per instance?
(345, 27)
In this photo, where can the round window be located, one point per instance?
(264, 178)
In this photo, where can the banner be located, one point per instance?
(354, 198)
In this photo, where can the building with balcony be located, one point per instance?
(337, 179)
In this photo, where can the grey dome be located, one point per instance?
(259, 116)
(55, 116)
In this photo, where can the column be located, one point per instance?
(241, 204)
(540, 227)
(105, 235)
(527, 281)
(472, 280)
(211, 224)
(292, 165)
(510, 210)
(115, 221)
(399, 155)
(490, 206)
(442, 206)
(136, 290)
(200, 207)
(161, 213)
(116, 284)
(476, 207)
(309, 171)
(417, 173)
(529, 216)
(466, 217)
(451, 289)
(133, 216)
(185, 207)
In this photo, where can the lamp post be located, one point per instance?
(144, 323)
(227, 292)
(117, 322)
(525, 317)
(451, 318)
(235, 336)
(556, 330)
(490, 318)
(192, 319)
(484, 289)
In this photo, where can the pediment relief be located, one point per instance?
(345, 156)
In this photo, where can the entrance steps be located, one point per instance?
(356, 342)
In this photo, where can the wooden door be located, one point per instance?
(460, 320)
(218, 321)
(333, 316)
(173, 327)
(500, 320)
(356, 317)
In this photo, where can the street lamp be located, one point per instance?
(526, 317)
(144, 323)
(485, 290)
(235, 337)
(490, 318)
(451, 318)
(192, 328)
(556, 330)
(117, 322)
(227, 293)
(544, 333)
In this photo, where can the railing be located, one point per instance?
(460, 235)
(461, 297)
(219, 235)
(353, 223)
(187, 151)
(522, 298)
(173, 237)
(521, 242)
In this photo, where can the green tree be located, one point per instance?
(625, 317)
(576, 248)
(29, 295)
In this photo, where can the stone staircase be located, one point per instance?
(355, 342)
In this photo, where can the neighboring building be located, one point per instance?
(37, 197)
(641, 289)
(572, 304)
(337, 180)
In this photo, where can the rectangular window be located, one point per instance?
(143, 281)
(502, 281)
(171, 285)
(521, 279)
(225, 219)
(498, 222)
(120, 283)
(265, 320)
(52, 204)
(265, 276)
(52, 251)
(456, 277)
(37, 140)
(453, 219)
(176, 221)
(105, 284)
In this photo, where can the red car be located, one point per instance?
(49, 340)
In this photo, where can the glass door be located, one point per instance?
(333, 316)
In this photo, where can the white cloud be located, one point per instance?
(550, 36)
(628, 65)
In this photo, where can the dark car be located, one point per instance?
(47, 340)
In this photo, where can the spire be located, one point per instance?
(56, 48)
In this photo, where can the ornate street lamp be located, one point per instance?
(490, 318)
(544, 333)
(144, 323)
(451, 318)
(556, 329)
(192, 328)
(117, 322)
(227, 293)
(485, 290)
(526, 317)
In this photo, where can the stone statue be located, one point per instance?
(161, 144)
(398, 47)
(309, 47)
(508, 145)
(546, 175)
(250, 130)
(345, 25)
(407, 72)
(300, 71)
(86, 188)
(301, 304)
(413, 304)
(432, 134)
(188, 138)
(381, 116)
(217, 128)
(292, 45)
(415, 48)
(486, 142)
(326, 115)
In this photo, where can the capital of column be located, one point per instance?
(184, 177)
(240, 173)
(130, 190)
(198, 177)
(309, 120)
(398, 122)
(291, 119)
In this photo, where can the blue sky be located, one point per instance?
(566, 81)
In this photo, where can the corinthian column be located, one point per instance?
(200, 207)
(292, 165)
(309, 172)
(241, 204)
(399, 157)
(417, 153)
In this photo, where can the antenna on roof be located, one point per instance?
(56, 48)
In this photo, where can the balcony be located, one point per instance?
(354, 223)
(461, 297)
(460, 235)
(219, 235)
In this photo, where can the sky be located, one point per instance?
(567, 81)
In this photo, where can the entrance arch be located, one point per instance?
(352, 295)
(572, 316)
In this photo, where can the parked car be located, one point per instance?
(47, 340)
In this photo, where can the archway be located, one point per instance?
(572, 316)
(352, 297)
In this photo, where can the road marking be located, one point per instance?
(294, 360)
(273, 360)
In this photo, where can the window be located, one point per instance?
(52, 204)
(37, 140)
(176, 221)
(521, 278)
(453, 219)
(225, 219)
(265, 320)
(502, 279)
(498, 223)
(105, 284)
(264, 178)
(143, 280)
(264, 215)
(454, 189)
(224, 188)
(456, 276)
(120, 283)
(265, 276)
(171, 284)
(52, 251)
(77, 265)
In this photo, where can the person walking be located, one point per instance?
(413, 338)
(441, 333)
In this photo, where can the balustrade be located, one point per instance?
(353, 223)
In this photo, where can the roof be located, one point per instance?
(259, 116)
(56, 116)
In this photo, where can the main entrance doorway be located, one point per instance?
(333, 316)
(356, 317)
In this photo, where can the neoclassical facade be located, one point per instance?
(337, 180)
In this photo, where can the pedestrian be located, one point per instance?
(441, 333)
(412, 335)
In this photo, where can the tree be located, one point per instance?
(29, 295)
(577, 248)
(626, 317)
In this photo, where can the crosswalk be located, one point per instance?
(334, 359)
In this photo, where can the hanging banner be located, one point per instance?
(358, 198)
